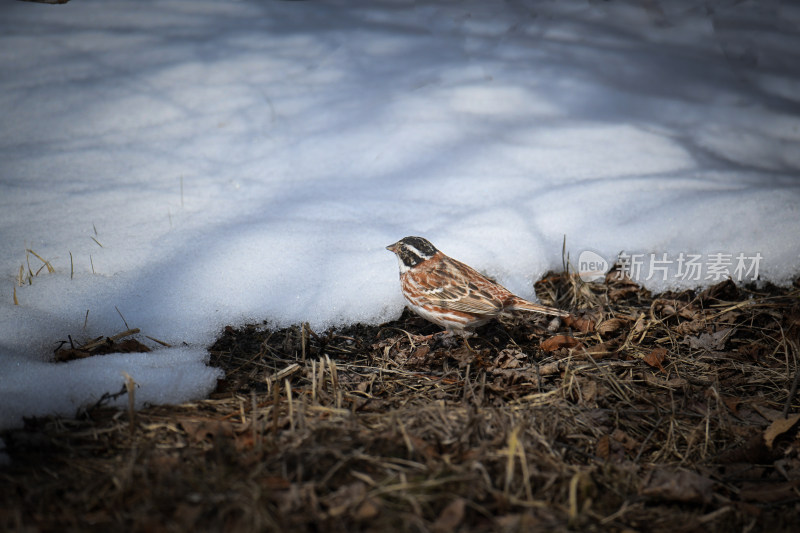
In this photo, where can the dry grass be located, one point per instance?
(641, 413)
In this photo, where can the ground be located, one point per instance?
(639, 413)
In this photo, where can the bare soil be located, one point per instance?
(673, 412)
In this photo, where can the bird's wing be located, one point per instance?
(459, 287)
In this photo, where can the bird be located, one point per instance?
(451, 294)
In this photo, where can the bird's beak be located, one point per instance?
(392, 247)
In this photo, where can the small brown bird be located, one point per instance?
(451, 294)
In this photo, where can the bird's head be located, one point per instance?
(412, 251)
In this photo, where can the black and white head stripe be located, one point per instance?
(413, 250)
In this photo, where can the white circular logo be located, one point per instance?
(591, 266)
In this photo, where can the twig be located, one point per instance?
(122, 317)
(795, 383)
(89, 346)
(162, 343)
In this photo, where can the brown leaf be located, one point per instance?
(200, 429)
(609, 326)
(450, 517)
(509, 358)
(582, 324)
(617, 276)
(102, 346)
(767, 492)
(723, 291)
(691, 327)
(368, 510)
(550, 369)
(345, 498)
(753, 451)
(778, 428)
(666, 308)
(674, 383)
(628, 442)
(754, 351)
(423, 447)
(558, 341)
(679, 486)
(126, 346)
(603, 447)
(769, 414)
(709, 341)
(420, 352)
(603, 349)
(275, 482)
(655, 357)
(187, 514)
(588, 391)
(617, 294)
(732, 403)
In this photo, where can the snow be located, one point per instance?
(213, 162)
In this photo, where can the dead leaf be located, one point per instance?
(710, 342)
(609, 326)
(655, 357)
(767, 492)
(510, 358)
(691, 327)
(588, 391)
(126, 346)
(423, 447)
(420, 352)
(620, 293)
(754, 351)
(582, 324)
(368, 510)
(199, 429)
(674, 383)
(628, 442)
(639, 325)
(732, 403)
(603, 447)
(558, 341)
(603, 349)
(275, 483)
(345, 497)
(102, 346)
(679, 486)
(722, 291)
(464, 355)
(450, 517)
(187, 514)
(550, 369)
(778, 428)
(753, 451)
(769, 414)
(667, 308)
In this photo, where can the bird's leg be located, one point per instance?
(447, 339)
(420, 339)
(466, 343)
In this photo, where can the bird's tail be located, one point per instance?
(520, 304)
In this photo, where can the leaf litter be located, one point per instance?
(669, 412)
